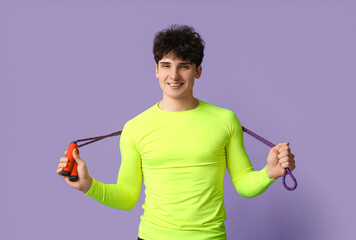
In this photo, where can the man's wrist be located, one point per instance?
(270, 176)
(87, 187)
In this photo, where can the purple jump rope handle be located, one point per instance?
(286, 170)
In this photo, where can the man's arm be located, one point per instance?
(248, 182)
(125, 193)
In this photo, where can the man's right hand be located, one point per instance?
(84, 182)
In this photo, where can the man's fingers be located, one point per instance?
(62, 165)
(63, 160)
(284, 148)
(59, 170)
(76, 155)
(283, 154)
(290, 165)
(286, 159)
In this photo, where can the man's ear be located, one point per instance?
(156, 71)
(198, 72)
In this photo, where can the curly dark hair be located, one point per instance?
(180, 40)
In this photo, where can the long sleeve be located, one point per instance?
(125, 193)
(247, 182)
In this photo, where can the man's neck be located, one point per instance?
(171, 104)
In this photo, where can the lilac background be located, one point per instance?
(77, 69)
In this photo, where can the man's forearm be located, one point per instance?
(113, 195)
(253, 183)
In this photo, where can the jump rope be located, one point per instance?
(72, 172)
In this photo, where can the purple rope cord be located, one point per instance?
(94, 139)
(286, 170)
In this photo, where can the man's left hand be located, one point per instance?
(279, 158)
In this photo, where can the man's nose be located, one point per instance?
(174, 74)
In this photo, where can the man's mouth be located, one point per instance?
(175, 84)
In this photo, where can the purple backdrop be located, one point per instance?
(77, 69)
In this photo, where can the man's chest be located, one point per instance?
(183, 143)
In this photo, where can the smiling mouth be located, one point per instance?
(175, 84)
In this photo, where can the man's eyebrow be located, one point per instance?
(182, 63)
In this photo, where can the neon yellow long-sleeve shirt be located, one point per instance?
(182, 157)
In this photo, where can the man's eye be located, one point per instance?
(185, 67)
(165, 66)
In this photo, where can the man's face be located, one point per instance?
(176, 71)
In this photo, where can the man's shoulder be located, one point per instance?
(226, 116)
(220, 111)
(142, 117)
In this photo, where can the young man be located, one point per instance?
(181, 146)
